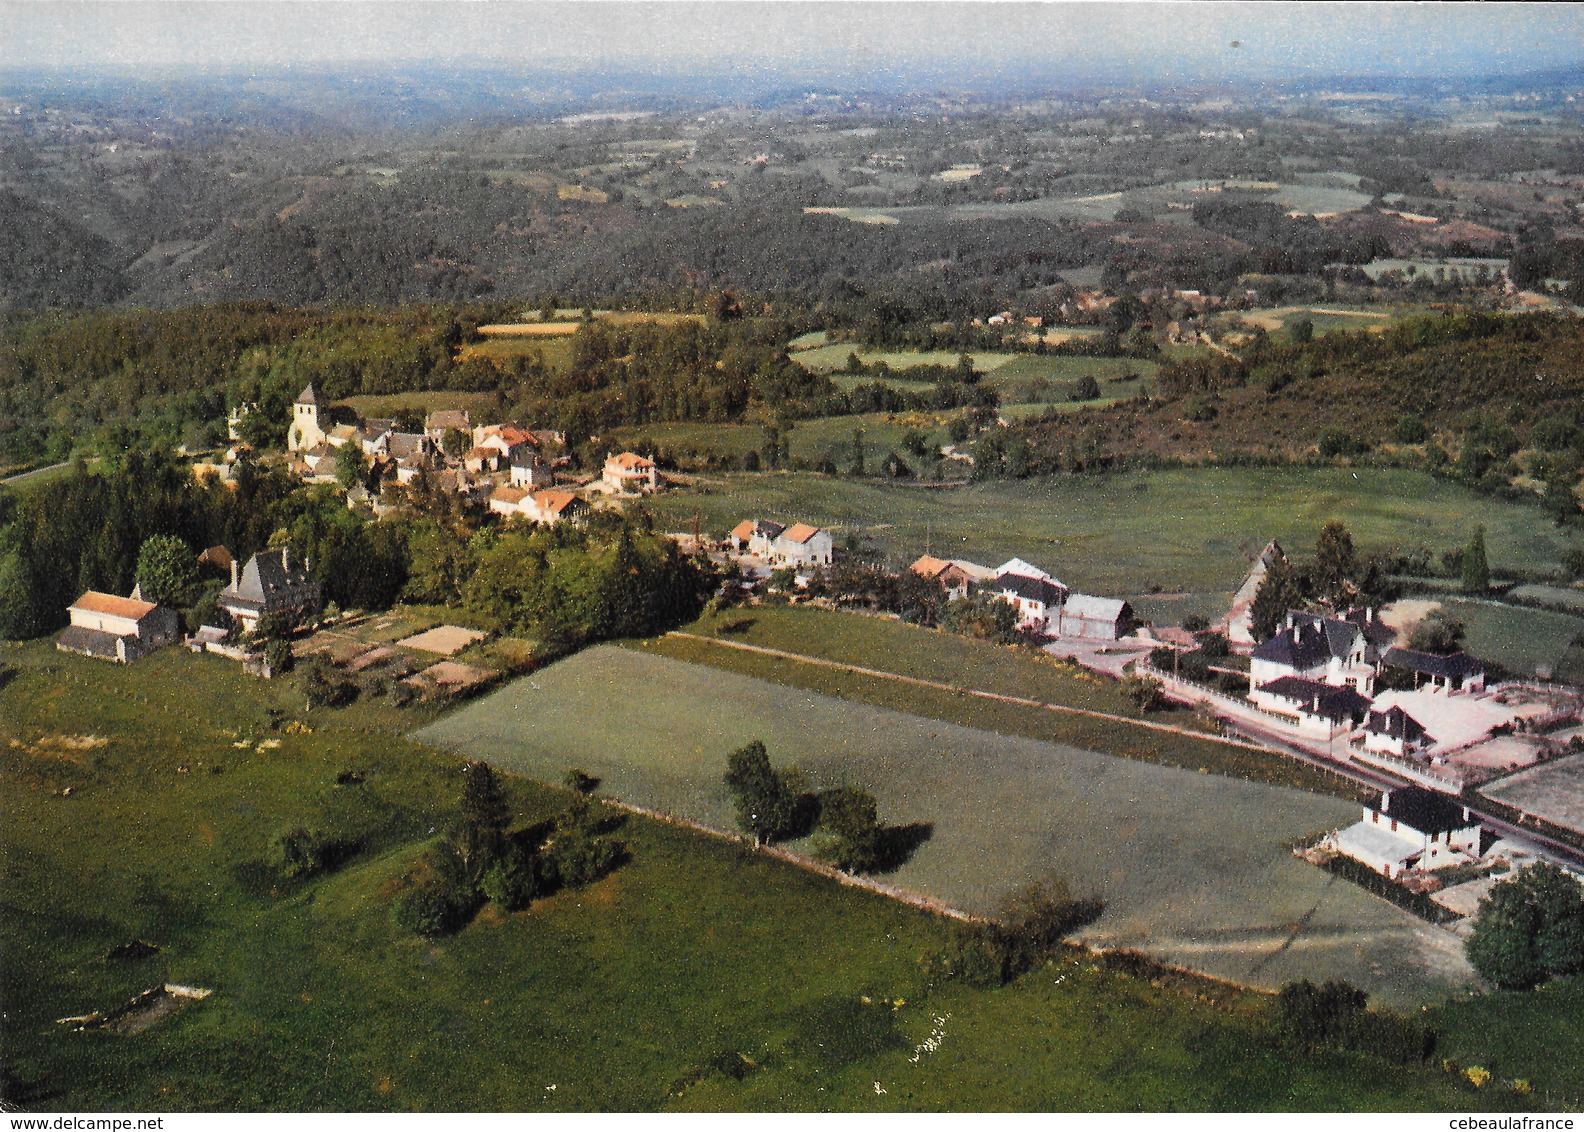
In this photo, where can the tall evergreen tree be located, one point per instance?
(1280, 591)
(1476, 570)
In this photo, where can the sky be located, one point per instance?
(1130, 40)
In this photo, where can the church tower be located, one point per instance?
(309, 415)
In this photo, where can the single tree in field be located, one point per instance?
(1437, 634)
(485, 814)
(1278, 592)
(858, 452)
(1476, 570)
(850, 829)
(1334, 562)
(1529, 927)
(166, 570)
(766, 805)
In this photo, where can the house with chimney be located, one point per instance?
(628, 472)
(802, 545)
(955, 575)
(121, 629)
(755, 536)
(1409, 829)
(1340, 651)
(1035, 595)
(273, 583)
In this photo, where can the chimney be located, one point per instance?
(233, 575)
(1385, 801)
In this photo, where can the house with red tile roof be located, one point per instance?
(629, 472)
(121, 629)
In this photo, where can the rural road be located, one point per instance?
(20, 476)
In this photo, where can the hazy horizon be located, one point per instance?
(1146, 41)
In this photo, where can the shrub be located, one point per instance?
(1335, 1016)
(1086, 388)
(434, 909)
(1411, 430)
(580, 857)
(1334, 442)
(1529, 928)
(278, 655)
(1195, 623)
(849, 829)
(301, 852)
(517, 877)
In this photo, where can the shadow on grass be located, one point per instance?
(897, 843)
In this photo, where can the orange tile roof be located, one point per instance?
(555, 502)
(113, 606)
(743, 531)
(629, 462)
(512, 495)
(929, 567)
(799, 532)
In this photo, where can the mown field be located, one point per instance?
(1191, 529)
(1525, 641)
(899, 649)
(1190, 866)
(639, 993)
(809, 440)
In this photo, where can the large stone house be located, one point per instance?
(117, 628)
(629, 472)
(272, 583)
(1411, 829)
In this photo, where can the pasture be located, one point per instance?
(1191, 866)
(1176, 530)
(1525, 641)
(625, 995)
(480, 405)
(809, 440)
(833, 357)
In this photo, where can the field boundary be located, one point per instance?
(999, 697)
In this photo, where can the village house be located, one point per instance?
(956, 576)
(1029, 590)
(1333, 650)
(502, 437)
(1395, 732)
(310, 414)
(376, 435)
(554, 506)
(629, 472)
(1410, 829)
(272, 584)
(236, 416)
(755, 536)
(802, 545)
(343, 434)
(441, 421)
(1319, 709)
(528, 469)
(115, 628)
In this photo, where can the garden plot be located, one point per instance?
(445, 640)
(1553, 791)
(1191, 866)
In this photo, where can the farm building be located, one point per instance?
(1411, 829)
(272, 584)
(117, 628)
(802, 545)
(956, 576)
(1333, 650)
(481, 461)
(1459, 672)
(441, 421)
(1239, 622)
(755, 536)
(629, 472)
(310, 413)
(1095, 618)
(508, 501)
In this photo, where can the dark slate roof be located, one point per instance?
(89, 642)
(308, 396)
(768, 528)
(525, 455)
(1325, 700)
(1424, 810)
(1395, 723)
(1459, 664)
(1313, 639)
(1303, 646)
(272, 580)
(404, 444)
(1029, 589)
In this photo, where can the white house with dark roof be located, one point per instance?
(116, 628)
(1411, 829)
(1458, 672)
(528, 468)
(1035, 595)
(273, 582)
(1318, 708)
(1333, 650)
(1395, 732)
(755, 536)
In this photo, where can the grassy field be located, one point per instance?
(621, 996)
(556, 353)
(1522, 640)
(828, 359)
(910, 651)
(1190, 865)
(809, 440)
(1497, 1030)
(1191, 529)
